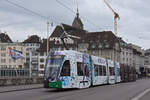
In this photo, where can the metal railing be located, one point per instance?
(14, 72)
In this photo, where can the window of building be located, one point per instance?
(111, 70)
(123, 53)
(3, 55)
(34, 53)
(127, 59)
(99, 45)
(41, 53)
(65, 69)
(20, 66)
(93, 46)
(123, 59)
(41, 72)
(27, 59)
(3, 60)
(42, 66)
(42, 60)
(27, 54)
(3, 48)
(9, 66)
(106, 45)
(9, 60)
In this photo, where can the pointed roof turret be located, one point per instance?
(77, 23)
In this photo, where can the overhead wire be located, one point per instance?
(31, 11)
(90, 22)
(47, 18)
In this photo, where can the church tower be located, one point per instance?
(77, 23)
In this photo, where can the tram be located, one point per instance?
(72, 69)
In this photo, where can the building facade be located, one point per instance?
(147, 60)
(32, 44)
(126, 55)
(6, 60)
(138, 58)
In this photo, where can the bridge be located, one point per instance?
(138, 90)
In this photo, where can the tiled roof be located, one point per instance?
(124, 44)
(100, 40)
(33, 39)
(77, 23)
(69, 29)
(52, 44)
(43, 46)
(4, 38)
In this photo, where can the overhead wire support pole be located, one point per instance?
(47, 37)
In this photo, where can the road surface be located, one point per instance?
(122, 91)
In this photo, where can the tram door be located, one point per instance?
(117, 72)
(83, 73)
(111, 72)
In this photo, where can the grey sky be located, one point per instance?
(133, 25)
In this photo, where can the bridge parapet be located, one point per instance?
(6, 81)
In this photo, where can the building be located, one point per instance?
(126, 55)
(147, 60)
(32, 44)
(5, 59)
(42, 56)
(4, 38)
(104, 44)
(138, 58)
(77, 23)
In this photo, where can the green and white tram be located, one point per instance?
(72, 69)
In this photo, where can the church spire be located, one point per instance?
(77, 11)
(77, 23)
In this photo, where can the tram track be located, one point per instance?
(18, 88)
(122, 91)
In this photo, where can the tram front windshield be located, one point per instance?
(53, 67)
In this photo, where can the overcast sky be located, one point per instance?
(133, 26)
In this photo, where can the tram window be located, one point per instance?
(100, 70)
(111, 70)
(79, 69)
(82, 69)
(104, 71)
(65, 69)
(96, 70)
(118, 70)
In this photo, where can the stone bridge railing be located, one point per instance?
(6, 81)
